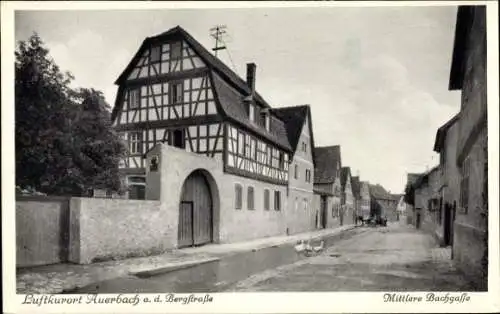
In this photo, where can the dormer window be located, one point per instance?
(267, 122)
(251, 112)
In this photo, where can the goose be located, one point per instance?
(319, 248)
(300, 246)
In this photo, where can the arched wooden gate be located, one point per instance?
(195, 212)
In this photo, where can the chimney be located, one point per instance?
(251, 67)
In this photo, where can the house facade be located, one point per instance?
(347, 196)
(468, 74)
(175, 93)
(364, 195)
(301, 215)
(327, 185)
(446, 145)
(383, 204)
(357, 198)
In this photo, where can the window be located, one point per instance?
(135, 142)
(267, 122)
(134, 98)
(464, 185)
(296, 172)
(175, 50)
(277, 200)
(296, 203)
(176, 93)
(306, 203)
(281, 160)
(178, 139)
(308, 175)
(155, 55)
(266, 199)
(238, 197)
(304, 146)
(250, 199)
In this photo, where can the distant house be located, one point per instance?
(468, 74)
(347, 196)
(365, 200)
(327, 185)
(383, 204)
(402, 208)
(411, 214)
(356, 195)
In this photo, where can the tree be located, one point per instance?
(98, 145)
(64, 141)
(43, 115)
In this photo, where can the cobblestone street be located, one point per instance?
(396, 258)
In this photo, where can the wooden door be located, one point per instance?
(323, 211)
(185, 224)
(196, 192)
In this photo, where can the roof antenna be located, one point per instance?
(218, 32)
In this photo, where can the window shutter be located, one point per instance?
(266, 199)
(250, 198)
(238, 196)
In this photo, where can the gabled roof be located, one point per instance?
(462, 28)
(441, 133)
(326, 159)
(211, 61)
(294, 118)
(345, 172)
(229, 87)
(378, 192)
(356, 186)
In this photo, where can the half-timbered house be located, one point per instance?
(175, 92)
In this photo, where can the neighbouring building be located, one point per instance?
(427, 202)
(235, 165)
(347, 196)
(411, 214)
(468, 74)
(300, 212)
(327, 184)
(365, 199)
(356, 195)
(446, 145)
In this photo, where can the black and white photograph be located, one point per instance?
(176, 150)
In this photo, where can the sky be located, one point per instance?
(376, 78)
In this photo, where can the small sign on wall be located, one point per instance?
(154, 163)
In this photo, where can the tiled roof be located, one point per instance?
(232, 105)
(465, 16)
(326, 159)
(294, 118)
(345, 172)
(441, 133)
(377, 191)
(322, 191)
